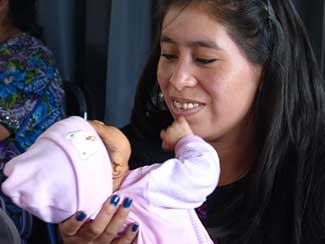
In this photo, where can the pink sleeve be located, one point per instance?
(185, 181)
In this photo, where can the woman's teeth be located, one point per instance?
(185, 106)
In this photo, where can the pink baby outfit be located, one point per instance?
(165, 195)
(61, 174)
(66, 170)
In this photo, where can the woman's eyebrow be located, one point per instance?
(194, 43)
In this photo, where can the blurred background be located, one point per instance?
(101, 47)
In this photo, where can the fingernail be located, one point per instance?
(135, 227)
(80, 216)
(115, 200)
(127, 202)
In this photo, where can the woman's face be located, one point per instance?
(203, 74)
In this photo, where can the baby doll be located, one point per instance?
(70, 169)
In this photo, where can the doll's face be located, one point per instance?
(119, 149)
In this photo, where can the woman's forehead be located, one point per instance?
(193, 26)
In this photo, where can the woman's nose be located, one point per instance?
(182, 76)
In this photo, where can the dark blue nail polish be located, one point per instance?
(127, 202)
(135, 227)
(80, 216)
(115, 200)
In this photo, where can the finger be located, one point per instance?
(165, 143)
(116, 224)
(181, 119)
(168, 133)
(72, 225)
(164, 146)
(129, 235)
(185, 125)
(93, 229)
(162, 134)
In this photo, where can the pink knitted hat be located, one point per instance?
(66, 170)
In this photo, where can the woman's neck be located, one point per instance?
(237, 154)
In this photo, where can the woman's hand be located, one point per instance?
(103, 229)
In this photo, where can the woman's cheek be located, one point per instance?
(162, 76)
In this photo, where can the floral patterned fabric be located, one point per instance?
(31, 99)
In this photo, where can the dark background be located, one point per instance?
(101, 45)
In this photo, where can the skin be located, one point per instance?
(199, 64)
(179, 129)
(119, 150)
(119, 146)
(109, 221)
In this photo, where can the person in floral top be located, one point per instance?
(31, 93)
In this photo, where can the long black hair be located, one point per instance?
(288, 109)
(23, 15)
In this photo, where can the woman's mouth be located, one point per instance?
(185, 108)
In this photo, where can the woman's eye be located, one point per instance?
(168, 56)
(205, 61)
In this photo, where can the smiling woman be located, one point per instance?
(237, 70)
(244, 76)
(198, 68)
